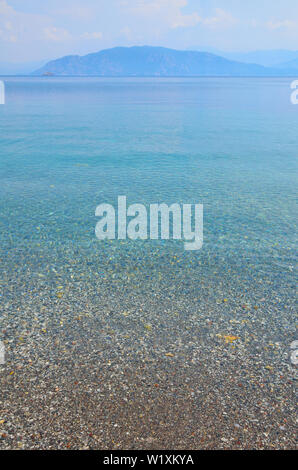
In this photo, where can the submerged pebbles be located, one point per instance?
(135, 347)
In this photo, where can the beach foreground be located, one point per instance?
(127, 362)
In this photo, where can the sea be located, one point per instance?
(174, 347)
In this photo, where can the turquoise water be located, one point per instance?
(68, 145)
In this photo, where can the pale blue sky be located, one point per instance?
(32, 30)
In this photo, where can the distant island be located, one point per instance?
(47, 74)
(146, 61)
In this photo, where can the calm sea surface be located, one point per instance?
(68, 145)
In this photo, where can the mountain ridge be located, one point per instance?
(268, 58)
(292, 64)
(146, 61)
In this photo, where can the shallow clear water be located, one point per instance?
(68, 145)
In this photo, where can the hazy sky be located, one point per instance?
(33, 30)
